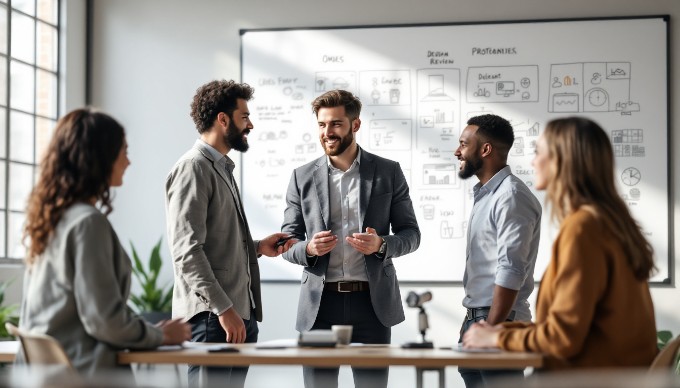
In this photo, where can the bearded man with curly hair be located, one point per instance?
(217, 278)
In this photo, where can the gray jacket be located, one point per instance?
(215, 260)
(77, 292)
(384, 201)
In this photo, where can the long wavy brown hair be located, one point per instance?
(76, 167)
(582, 164)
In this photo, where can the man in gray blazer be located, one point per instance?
(340, 208)
(217, 278)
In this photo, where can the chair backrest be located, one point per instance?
(666, 357)
(40, 349)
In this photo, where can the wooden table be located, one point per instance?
(8, 349)
(358, 356)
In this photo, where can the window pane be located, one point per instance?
(47, 47)
(3, 32)
(21, 137)
(25, 6)
(20, 185)
(46, 94)
(43, 133)
(3, 80)
(23, 38)
(22, 86)
(47, 11)
(3, 192)
(16, 225)
(2, 233)
(3, 140)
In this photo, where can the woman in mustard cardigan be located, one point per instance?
(593, 307)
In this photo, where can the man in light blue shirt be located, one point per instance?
(503, 234)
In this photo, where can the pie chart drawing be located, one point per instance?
(631, 176)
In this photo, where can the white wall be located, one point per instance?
(150, 56)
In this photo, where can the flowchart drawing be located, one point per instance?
(330, 80)
(390, 134)
(502, 84)
(438, 106)
(591, 87)
(385, 87)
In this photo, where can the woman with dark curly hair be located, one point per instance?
(594, 308)
(77, 278)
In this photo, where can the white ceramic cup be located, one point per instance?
(343, 333)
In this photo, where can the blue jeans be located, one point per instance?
(356, 309)
(479, 378)
(205, 327)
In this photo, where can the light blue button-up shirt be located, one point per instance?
(503, 235)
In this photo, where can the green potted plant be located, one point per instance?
(663, 337)
(153, 302)
(7, 313)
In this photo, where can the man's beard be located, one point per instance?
(345, 142)
(472, 165)
(234, 138)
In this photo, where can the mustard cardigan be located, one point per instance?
(591, 312)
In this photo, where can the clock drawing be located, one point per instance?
(597, 97)
(631, 176)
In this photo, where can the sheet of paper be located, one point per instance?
(277, 344)
(204, 345)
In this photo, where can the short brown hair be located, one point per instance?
(338, 97)
(215, 97)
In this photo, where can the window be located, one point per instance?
(29, 74)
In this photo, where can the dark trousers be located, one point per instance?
(479, 378)
(349, 308)
(205, 327)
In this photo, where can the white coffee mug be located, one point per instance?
(343, 334)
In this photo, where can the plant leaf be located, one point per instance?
(663, 336)
(138, 269)
(155, 261)
(152, 297)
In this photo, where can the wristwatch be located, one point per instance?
(383, 247)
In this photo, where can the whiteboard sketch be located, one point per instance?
(418, 92)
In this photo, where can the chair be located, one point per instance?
(665, 360)
(40, 349)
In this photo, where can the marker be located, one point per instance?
(283, 240)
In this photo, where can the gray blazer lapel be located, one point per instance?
(321, 185)
(223, 174)
(366, 173)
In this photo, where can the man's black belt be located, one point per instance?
(346, 286)
(476, 312)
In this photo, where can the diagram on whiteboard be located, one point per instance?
(419, 91)
(502, 84)
(591, 87)
(438, 106)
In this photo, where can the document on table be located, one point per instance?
(168, 348)
(277, 344)
(205, 345)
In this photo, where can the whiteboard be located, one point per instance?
(420, 83)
